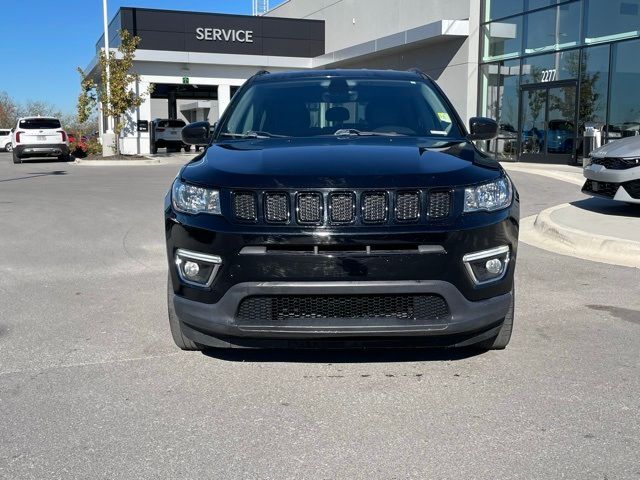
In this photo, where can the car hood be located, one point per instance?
(623, 148)
(371, 162)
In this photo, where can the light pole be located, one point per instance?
(105, 21)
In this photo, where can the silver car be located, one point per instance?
(613, 171)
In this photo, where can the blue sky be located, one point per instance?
(43, 41)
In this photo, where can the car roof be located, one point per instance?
(344, 73)
(38, 118)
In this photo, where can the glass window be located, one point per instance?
(594, 83)
(39, 123)
(502, 39)
(553, 28)
(624, 113)
(551, 67)
(500, 102)
(322, 106)
(502, 8)
(534, 4)
(608, 20)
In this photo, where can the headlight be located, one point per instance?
(488, 196)
(191, 199)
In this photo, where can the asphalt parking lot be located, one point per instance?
(91, 385)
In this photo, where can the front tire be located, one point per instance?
(8, 147)
(16, 158)
(176, 324)
(500, 341)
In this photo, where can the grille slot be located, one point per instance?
(342, 207)
(439, 204)
(374, 207)
(276, 207)
(617, 163)
(245, 207)
(310, 208)
(280, 308)
(408, 206)
(604, 189)
(633, 188)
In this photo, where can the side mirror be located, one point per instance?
(196, 133)
(482, 128)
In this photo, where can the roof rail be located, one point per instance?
(262, 72)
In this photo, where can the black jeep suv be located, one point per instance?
(345, 207)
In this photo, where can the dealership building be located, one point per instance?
(544, 69)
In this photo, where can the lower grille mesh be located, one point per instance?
(274, 308)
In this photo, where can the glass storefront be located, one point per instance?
(551, 66)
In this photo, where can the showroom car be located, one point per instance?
(613, 171)
(341, 207)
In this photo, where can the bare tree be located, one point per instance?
(8, 111)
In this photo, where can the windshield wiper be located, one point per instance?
(352, 132)
(252, 134)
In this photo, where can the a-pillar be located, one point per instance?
(224, 98)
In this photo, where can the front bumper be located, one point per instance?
(619, 185)
(217, 325)
(42, 150)
(388, 263)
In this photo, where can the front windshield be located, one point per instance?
(343, 106)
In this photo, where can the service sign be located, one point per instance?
(168, 30)
(224, 35)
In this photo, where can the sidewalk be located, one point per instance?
(593, 229)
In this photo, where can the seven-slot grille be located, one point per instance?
(256, 310)
(276, 206)
(343, 207)
(310, 208)
(244, 206)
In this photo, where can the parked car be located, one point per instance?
(5, 139)
(166, 133)
(39, 137)
(613, 171)
(345, 205)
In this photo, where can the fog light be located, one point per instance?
(488, 265)
(191, 269)
(197, 268)
(494, 266)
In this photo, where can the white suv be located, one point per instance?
(5, 139)
(167, 133)
(39, 137)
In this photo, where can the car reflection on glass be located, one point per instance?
(560, 136)
(533, 141)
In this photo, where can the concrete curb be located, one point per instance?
(543, 232)
(569, 177)
(118, 163)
